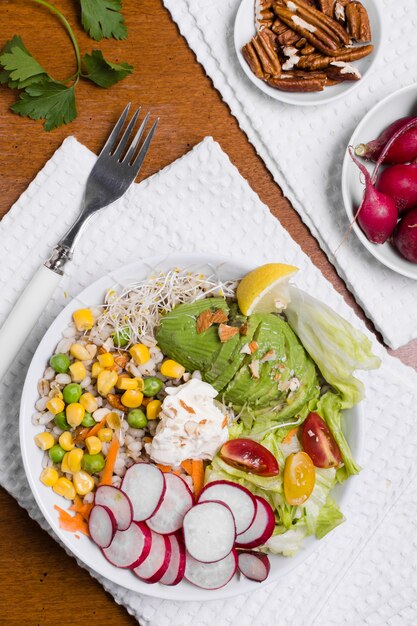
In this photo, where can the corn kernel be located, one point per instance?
(89, 402)
(132, 398)
(74, 460)
(141, 384)
(106, 380)
(80, 352)
(64, 464)
(64, 487)
(140, 353)
(83, 319)
(65, 441)
(93, 444)
(105, 434)
(153, 409)
(75, 413)
(113, 420)
(172, 369)
(83, 482)
(55, 405)
(49, 476)
(77, 371)
(124, 382)
(106, 359)
(44, 441)
(96, 369)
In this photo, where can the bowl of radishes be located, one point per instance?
(379, 181)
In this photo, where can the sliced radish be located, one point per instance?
(261, 528)
(118, 503)
(176, 569)
(130, 547)
(177, 500)
(209, 531)
(157, 562)
(238, 499)
(101, 525)
(254, 565)
(144, 484)
(211, 575)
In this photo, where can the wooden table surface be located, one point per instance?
(39, 583)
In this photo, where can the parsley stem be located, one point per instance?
(69, 29)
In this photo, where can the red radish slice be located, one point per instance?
(211, 575)
(240, 501)
(157, 562)
(209, 531)
(144, 484)
(261, 528)
(118, 503)
(254, 565)
(177, 500)
(176, 568)
(130, 547)
(101, 525)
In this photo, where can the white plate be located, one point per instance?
(399, 104)
(245, 29)
(83, 548)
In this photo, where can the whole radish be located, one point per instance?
(400, 183)
(402, 150)
(405, 236)
(377, 214)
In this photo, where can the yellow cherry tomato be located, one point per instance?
(299, 478)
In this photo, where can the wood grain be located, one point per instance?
(39, 583)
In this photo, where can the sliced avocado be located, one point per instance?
(178, 338)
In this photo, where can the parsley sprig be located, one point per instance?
(42, 97)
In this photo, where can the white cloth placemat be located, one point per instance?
(303, 147)
(364, 572)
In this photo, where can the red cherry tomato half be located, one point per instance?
(319, 443)
(249, 456)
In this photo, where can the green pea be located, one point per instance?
(92, 463)
(60, 363)
(61, 421)
(88, 420)
(136, 418)
(56, 453)
(72, 393)
(152, 386)
(121, 337)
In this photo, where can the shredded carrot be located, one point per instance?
(83, 509)
(164, 468)
(188, 466)
(72, 523)
(94, 429)
(110, 461)
(290, 434)
(197, 474)
(225, 422)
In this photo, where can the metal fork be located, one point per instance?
(115, 170)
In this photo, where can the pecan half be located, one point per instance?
(320, 62)
(204, 321)
(298, 83)
(285, 36)
(307, 49)
(219, 316)
(227, 332)
(263, 46)
(264, 15)
(326, 6)
(358, 22)
(251, 58)
(315, 35)
(322, 21)
(341, 71)
(114, 400)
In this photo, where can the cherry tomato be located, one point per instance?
(249, 456)
(299, 478)
(319, 443)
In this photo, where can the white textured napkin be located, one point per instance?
(303, 147)
(363, 572)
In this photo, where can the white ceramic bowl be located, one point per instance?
(399, 104)
(83, 548)
(244, 30)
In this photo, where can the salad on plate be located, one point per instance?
(196, 425)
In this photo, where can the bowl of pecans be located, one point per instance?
(307, 52)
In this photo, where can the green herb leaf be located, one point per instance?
(102, 18)
(49, 100)
(102, 72)
(20, 69)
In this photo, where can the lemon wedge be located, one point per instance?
(265, 289)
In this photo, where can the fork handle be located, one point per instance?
(25, 314)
